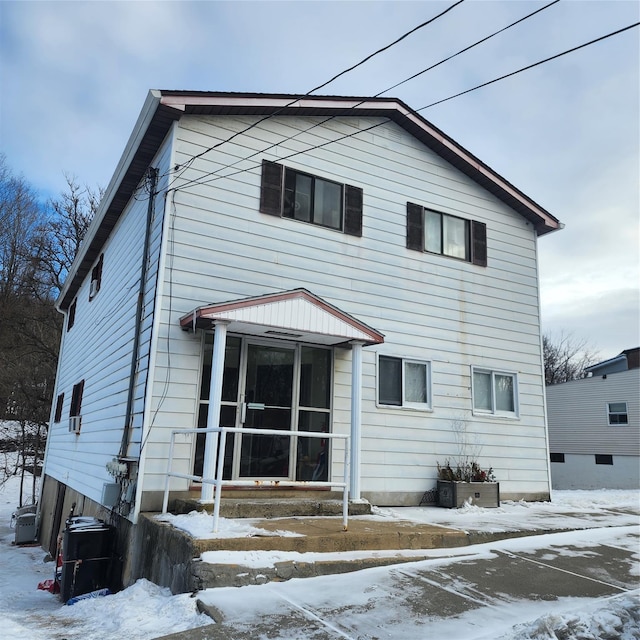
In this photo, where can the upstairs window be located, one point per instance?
(446, 235)
(617, 413)
(301, 196)
(71, 316)
(96, 278)
(494, 392)
(404, 383)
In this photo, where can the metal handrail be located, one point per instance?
(218, 482)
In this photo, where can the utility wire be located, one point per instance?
(531, 66)
(359, 131)
(275, 144)
(321, 86)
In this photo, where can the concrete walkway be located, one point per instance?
(488, 590)
(480, 576)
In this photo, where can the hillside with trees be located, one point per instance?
(38, 242)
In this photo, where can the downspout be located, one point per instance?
(126, 434)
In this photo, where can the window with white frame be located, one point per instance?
(495, 392)
(617, 413)
(404, 383)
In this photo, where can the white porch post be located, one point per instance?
(215, 401)
(356, 409)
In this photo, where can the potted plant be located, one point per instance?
(466, 482)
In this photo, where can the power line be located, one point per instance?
(471, 46)
(531, 66)
(359, 131)
(324, 84)
(420, 26)
(275, 144)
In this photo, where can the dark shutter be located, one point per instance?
(415, 232)
(479, 243)
(271, 188)
(59, 403)
(353, 210)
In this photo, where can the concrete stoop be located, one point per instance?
(172, 558)
(255, 507)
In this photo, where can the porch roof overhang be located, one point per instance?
(296, 315)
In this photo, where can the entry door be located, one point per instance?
(267, 404)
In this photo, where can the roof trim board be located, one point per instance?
(297, 314)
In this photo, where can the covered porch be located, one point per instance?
(268, 365)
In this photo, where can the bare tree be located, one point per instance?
(37, 247)
(566, 358)
(71, 215)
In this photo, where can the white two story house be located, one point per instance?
(320, 264)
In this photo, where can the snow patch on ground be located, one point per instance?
(199, 524)
(145, 611)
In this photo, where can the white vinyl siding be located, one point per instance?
(447, 312)
(98, 350)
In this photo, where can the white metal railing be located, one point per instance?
(219, 453)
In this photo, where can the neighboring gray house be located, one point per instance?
(319, 264)
(594, 427)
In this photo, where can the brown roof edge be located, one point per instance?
(392, 108)
(163, 107)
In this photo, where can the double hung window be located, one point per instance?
(494, 392)
(404, 383)
(617, 413)
(312, 199)
(290, 193)
(446, 235)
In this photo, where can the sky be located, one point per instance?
(575, 523)
(74, 76)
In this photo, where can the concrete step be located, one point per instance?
(173, 558)
(254, 507)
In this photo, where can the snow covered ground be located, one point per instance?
(145, 611)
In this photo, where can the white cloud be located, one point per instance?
(75, 74)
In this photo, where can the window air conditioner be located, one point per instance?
(93, 288)
(74, 424)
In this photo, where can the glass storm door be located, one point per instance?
(270, 386)
(267, 404)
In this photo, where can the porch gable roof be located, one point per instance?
(294, 315)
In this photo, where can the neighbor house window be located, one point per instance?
(404, 383)
(96, 278)
(556, 457)
(494, 392)
(602, 458)
(71, 316)
(59, 403)
(309, 198)
(617, 412)
(447, 235)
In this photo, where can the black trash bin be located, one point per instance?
(87, 550)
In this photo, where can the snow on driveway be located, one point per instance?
(145, 611)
